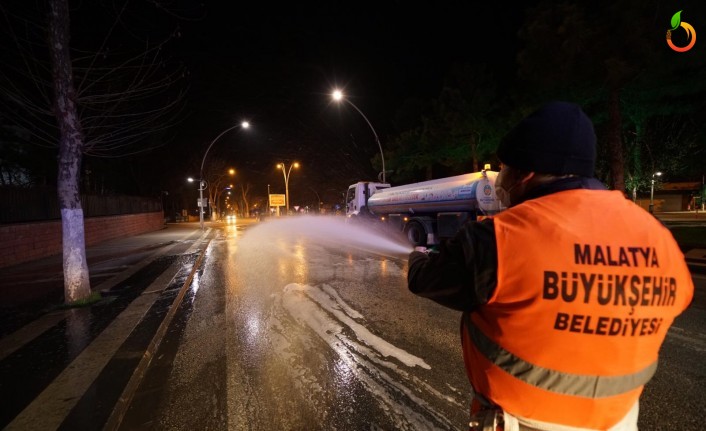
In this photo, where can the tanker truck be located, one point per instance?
(428, 211)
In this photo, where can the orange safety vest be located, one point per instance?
(588, 284)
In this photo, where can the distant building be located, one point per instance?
(672, 197)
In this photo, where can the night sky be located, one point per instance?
(275, 65)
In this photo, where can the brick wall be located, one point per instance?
(29, 241)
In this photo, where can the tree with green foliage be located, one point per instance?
(467, 110)
(612, 59)
(662, 131)
(410, 153)
(459, 130)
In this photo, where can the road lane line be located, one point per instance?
(32, 330)
(29, 332)
(51, 407)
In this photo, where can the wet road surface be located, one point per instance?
(56, 366)
(281, 332)
(286, 332)
(277, 327)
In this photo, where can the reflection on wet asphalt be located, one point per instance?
(183, 387)
(364, 364)
(317, 339)
(96, 405)
(47, 284)
(141, 412)
(283, 330)
(27, 371)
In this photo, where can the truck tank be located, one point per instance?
(459, 193)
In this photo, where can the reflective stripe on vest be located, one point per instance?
(587, 287)
(557, 381)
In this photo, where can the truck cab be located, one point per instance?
(425, 212)
(358, 195)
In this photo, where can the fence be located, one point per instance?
(39, 204)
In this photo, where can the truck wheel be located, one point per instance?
(416, 234)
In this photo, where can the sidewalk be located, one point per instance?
(681, 215)
(32, 288)
(60, 368)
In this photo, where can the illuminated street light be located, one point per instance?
(202, 187)
(202, 182)
(337, 95)
(286, 173)
(652, 191)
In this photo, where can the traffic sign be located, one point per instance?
(277, 200)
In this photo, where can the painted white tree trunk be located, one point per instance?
(76, 280)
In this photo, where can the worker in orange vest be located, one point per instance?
(566, 296)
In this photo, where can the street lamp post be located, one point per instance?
(202, 187)
(202, 182)
(652, 192)
(285, 173)
(338, 96)
(318, 200)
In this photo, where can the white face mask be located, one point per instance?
(501, 192)
(503, 196)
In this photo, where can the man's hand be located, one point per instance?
(422, 249)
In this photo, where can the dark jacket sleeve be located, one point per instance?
(463, 273)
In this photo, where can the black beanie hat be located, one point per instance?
(558, 138)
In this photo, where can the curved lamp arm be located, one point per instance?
(213, 142)
(377, 140)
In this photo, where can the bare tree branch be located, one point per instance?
(123, 96)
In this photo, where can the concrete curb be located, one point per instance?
(123, 403)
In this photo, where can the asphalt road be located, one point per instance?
(279, 332)
(284, 327)
(295, 324)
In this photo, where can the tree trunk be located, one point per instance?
(246, 204)
(637, 148)
(212, 209)
(212, 197)
(217, 206)
(615, 142)
(76, 281)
